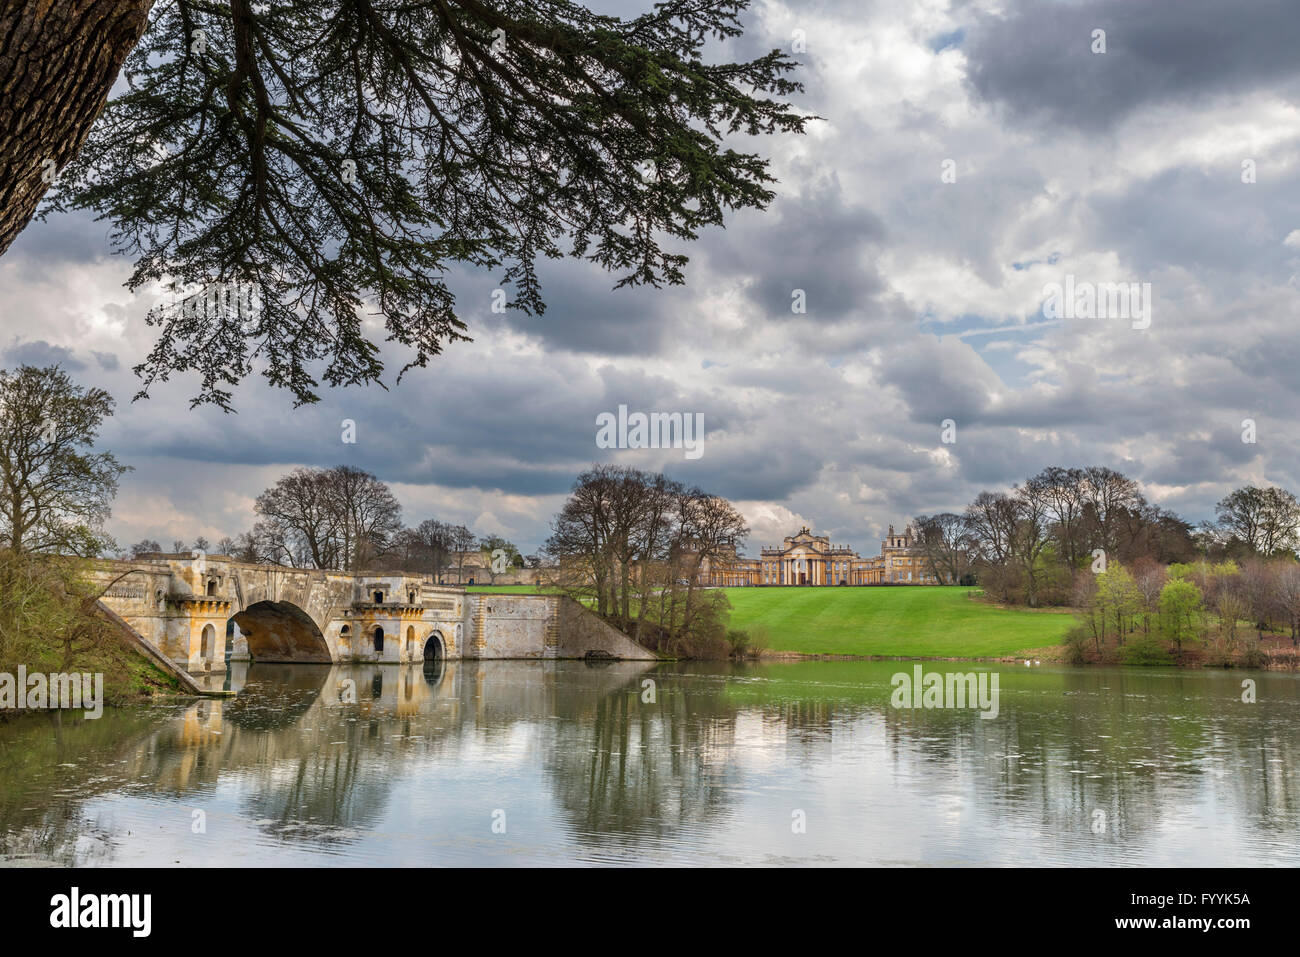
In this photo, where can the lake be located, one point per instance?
(534, 763)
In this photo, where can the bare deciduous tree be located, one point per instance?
(634, 543)
(1265, 520)
(55, 490)
(946, 543)
(326, 518)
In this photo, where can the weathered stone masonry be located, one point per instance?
(188, 607)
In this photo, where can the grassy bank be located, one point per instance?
(49, 625)
(924, 622)
(933, 621)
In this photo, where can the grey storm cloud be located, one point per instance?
(940, 378)
(475, 425)
(1272, 363)
(1038, 59)
(818, 242)
(38, 352)
(584, 312)
(73, 237)
(1203, 219)
(1224, 449)
(834, 415)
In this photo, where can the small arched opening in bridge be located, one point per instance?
(433, 648)
(212, 587)
(434, 655)
(410, 642)
(207, 640)
(378, 635)
(281, 631)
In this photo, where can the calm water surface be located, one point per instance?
(389, 765)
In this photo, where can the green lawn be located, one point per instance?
(922, 621)
(932, 621)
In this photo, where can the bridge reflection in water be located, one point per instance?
(639, 762)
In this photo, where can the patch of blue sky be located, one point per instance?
(945, 40)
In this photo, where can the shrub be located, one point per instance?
(704, 634)
(747, 643)
(1145, 650)
(1251, 655)
(1076, 644)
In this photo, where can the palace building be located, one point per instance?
(808, 559)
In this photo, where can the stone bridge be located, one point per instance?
(191, 607)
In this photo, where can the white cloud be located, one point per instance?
(828, 419)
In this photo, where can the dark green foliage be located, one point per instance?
(1145, 650)
(329, 159)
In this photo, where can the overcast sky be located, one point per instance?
(924, 298)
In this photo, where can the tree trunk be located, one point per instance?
(58, 61)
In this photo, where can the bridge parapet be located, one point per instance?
(191, 607)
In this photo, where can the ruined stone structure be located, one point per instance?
(189, 607)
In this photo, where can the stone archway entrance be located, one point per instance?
(281, 631)
(433, 648)
(435, 655)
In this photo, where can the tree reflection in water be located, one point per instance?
(707, 760)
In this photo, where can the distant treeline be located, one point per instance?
(1027, 544)
(1217, 613)
(346, 519)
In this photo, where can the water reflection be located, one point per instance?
(642, 763)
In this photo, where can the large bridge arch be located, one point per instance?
(281, 631)
(184, 606)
